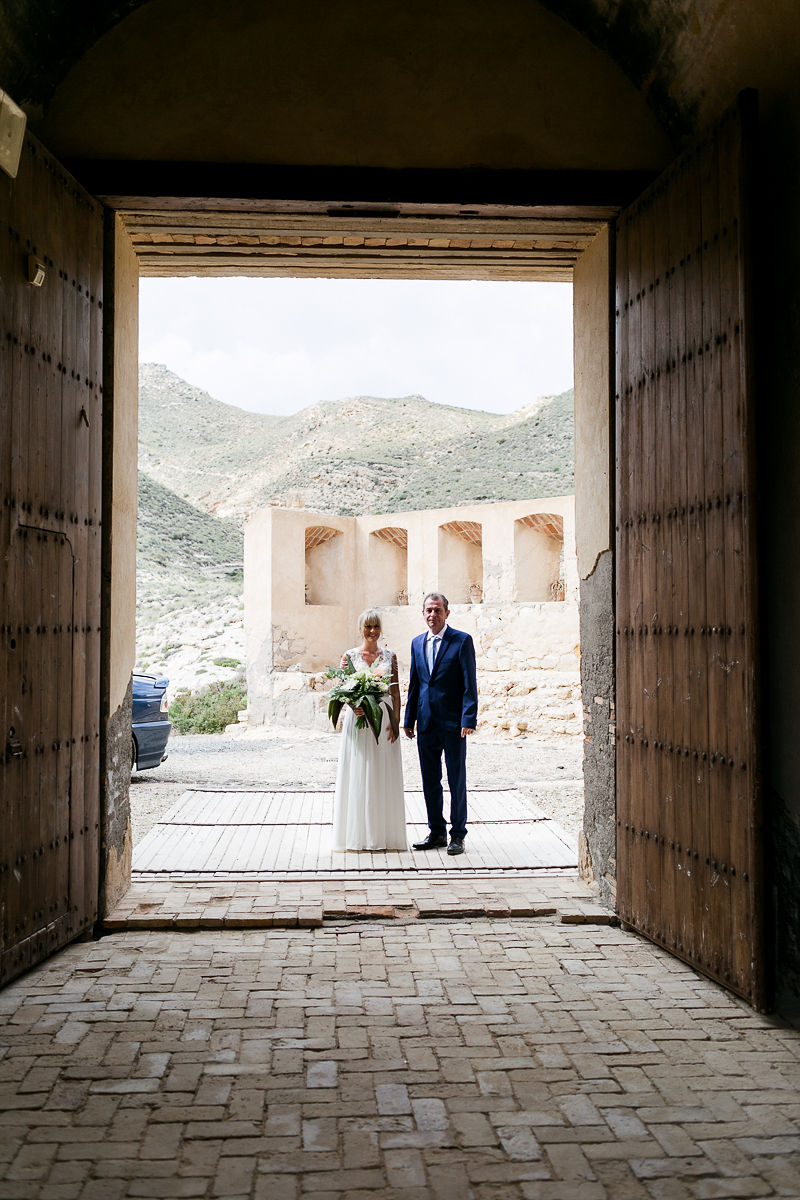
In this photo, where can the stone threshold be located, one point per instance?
(310, 903)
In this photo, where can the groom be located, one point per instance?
(443, 704)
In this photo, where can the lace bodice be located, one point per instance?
(385, 656)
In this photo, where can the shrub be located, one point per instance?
(210, 709)
(226, 662)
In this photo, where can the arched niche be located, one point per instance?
(539, 557)
(461, 561)
(387, 566)
(324, 565)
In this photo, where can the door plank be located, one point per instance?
(50, 679)
(688, 806)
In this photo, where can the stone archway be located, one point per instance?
(642, 70)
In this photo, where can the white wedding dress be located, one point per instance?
(368, 806)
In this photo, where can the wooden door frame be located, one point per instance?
(592, 308)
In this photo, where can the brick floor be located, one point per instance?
(209, 903)
(486, 1058)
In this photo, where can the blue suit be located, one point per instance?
(441, 703)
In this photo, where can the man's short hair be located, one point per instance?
(436, 596)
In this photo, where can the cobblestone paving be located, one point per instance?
(473, 1058)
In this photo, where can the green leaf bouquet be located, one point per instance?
(361, 689)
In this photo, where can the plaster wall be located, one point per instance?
(325, 572)
(309, 632)
(125, 452)
(460, 566)
(593, 509)
(386, 565)
(538, 559)
(120, 510)
(282, 630)
(527, 654)
(593, 340)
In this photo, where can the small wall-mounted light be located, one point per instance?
(12, 134)
(36, 271)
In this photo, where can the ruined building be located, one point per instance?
(509, 573)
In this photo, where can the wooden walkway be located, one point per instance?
(264, 834)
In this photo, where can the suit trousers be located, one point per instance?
(431, 744)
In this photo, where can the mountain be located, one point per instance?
(362, 454)
(204, 467)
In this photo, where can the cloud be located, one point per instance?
(279, 345)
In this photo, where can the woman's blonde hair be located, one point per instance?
(370, 616)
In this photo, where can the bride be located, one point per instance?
(368, 806)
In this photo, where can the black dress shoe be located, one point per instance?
(456, 846)
(434, 841)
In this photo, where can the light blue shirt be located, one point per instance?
(433, 646)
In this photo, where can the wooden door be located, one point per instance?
(689, 835)
(50, 463)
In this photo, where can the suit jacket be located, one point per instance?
(448, 697)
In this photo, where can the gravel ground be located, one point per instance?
(549, 773)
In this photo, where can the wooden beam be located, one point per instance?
(357, 191)
(174, 266)
(359, 254)
(315, 225)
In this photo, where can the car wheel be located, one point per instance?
(133, 754)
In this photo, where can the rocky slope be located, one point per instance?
(183, 551)
(189, 605)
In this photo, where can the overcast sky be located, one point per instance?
(279, 345)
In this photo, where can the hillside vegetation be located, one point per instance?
(183, 551)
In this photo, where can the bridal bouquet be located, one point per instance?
(360, 689)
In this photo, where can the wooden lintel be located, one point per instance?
(310, 224)
(170, 268)
(356, 191)
(357, 254)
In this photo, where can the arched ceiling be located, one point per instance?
(450, 86)
(42, 40)
(686, 59)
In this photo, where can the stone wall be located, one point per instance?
(527, 662)
(598, 842)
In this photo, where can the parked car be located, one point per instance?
(150, 725)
